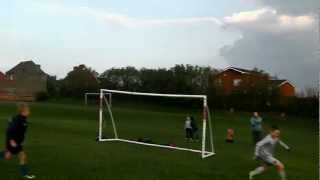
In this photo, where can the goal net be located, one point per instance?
(172, 127)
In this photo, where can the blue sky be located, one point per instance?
(144, 33)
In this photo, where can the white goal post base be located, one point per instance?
(206, 121)
(205, 155)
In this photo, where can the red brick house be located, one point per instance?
(286, 88)
(232, 79)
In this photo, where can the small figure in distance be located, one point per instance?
(230, 136)
(188, 129)
(256, 127)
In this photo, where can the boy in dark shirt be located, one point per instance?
(15, 136)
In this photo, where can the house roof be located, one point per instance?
(240, 70)
(26, 65)
(280, 82)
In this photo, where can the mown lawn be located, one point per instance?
(61, 145)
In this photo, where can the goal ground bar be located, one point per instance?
(207, 153)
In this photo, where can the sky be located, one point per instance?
(277, 36)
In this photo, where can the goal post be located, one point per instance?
(206, 149)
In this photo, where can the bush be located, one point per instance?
(42, 96)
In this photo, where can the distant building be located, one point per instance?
(23, 82)
(232, 79)
(285, 87)
(6, 88)
(2, 76)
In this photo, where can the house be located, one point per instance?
(6, 87)
(23, 82)
(2, 76)
(232, 79)
(286, 88)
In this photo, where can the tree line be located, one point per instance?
(181, 79)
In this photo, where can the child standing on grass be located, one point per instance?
(188, 129)
(265, 153)
(15, 136)
(256, 127)
(230, 136)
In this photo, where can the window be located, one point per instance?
(236, 82)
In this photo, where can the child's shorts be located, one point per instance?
(269, 160)
(14, 150)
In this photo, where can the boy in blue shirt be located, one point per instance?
(256, 127)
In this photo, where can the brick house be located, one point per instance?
(285, 87)
(23, 82)
(232, 79)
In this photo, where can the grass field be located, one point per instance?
(61, 145)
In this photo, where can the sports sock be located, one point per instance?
(283, 175)
(257, 171)
(24, 169)
(2, 155)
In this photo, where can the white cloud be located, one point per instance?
(290, 6)
(283, 44)
(55, 9)
(268, 20)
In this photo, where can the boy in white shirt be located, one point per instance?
(265, 152)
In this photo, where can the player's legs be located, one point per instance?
(24, 169)
(187, 133)
(259, 170)
(279, 165)
(256, 137)
(281, 170)
(191, 134)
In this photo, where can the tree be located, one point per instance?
(127, 78)
(80, 80)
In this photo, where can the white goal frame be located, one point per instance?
(86, 95)
(206, 121)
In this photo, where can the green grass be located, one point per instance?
(61, 145)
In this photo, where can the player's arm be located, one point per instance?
(284, 145)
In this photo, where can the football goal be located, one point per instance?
(94, 98)
(167, 128)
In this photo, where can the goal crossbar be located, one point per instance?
(154, 94)
(206, 117)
